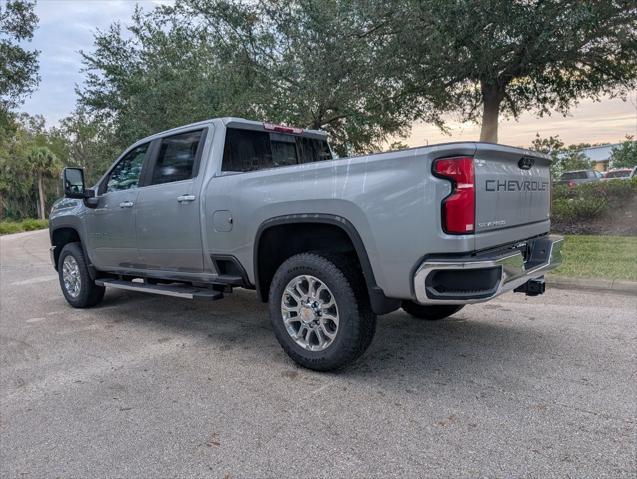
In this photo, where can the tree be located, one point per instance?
(42, 163)
(16, 189)
(84, 142)
(552, 146)
(625, 155)
(563, 158)
(307, 63)
(159, 74)
(487, 58)
(397, 145)
(18, 66)
(321, 63)
(573, 159)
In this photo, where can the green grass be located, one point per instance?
(607, 257)
(8, 227)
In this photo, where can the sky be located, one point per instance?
(67, 26)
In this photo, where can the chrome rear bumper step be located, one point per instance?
(476, 279)
(176, 290)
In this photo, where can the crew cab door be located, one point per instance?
(168, 222)
(111, 225)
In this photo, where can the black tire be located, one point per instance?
(431, 312)
(89, 293)
(357, 322)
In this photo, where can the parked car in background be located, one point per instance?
(572, 178)
(621, 174)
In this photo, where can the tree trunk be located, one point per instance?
(41, 195)
(492, 96)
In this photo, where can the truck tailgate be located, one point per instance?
(513, 194)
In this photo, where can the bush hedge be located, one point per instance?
(589, 201)
(8, 227)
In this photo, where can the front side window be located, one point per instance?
(176, 158)
(125, 175)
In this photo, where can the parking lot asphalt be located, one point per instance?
(156, 387)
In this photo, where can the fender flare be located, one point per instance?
(91, 269)
(379, 302)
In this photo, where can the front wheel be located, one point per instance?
(79, 289)
(431, 312)
(320, 312)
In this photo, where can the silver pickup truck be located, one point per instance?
(328, 242)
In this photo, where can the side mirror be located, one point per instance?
(73, 180)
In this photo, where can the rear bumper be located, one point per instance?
(479, 278)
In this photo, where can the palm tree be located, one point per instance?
(42, 163)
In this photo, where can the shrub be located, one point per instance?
(33, 224)
(576, 209)
(588, 201)
(9, 227)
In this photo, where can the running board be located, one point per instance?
(176, 291)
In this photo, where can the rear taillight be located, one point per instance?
(459, 208)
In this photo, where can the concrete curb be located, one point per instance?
(600, 285)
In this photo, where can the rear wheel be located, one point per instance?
(77, 286)
(320, 312)
(431, 312)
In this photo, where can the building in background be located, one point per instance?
(600, 155)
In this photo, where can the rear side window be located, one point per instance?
(248, 150)
(176, 158)
(618, 174)
(574, 175)
(125, 174)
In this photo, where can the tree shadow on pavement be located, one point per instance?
(476, 340)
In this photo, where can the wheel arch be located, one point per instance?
(263, 276)
(61, 236)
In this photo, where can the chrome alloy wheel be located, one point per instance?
(309, 313)
(71, 276)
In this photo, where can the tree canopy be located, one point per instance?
(563, 158)
(18, 65)
(309, 63)
(492, 57)
(363, 71)
(625, 155)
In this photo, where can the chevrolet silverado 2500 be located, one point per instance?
(328, 242)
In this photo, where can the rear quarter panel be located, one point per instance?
(392, 200)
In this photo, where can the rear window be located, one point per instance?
(247, 150)
(618, 174)
(574, 175)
